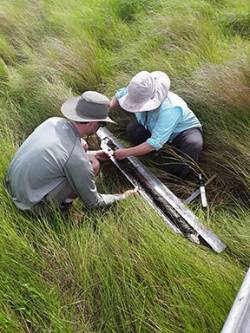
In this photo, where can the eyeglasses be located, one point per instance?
(102, 123)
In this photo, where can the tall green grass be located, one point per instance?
(121, 269)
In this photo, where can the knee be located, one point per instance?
(136, 133)
(196, 145)
(195, 148)
(195, 141)
(131, 129)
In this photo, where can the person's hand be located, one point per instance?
(84, 144)
(130, 192)
(120, 154)
(102, 156)
(114, 104)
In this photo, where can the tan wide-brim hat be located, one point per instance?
(90, 106)
(146, 91)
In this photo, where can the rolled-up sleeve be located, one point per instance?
(79, 173)
(121, 92)
(164, 126)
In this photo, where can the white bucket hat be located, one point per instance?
(146, 91)
(90, 106)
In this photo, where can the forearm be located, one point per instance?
(105, 200)
(140, 150)
(114, 104)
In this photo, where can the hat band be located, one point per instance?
(91, 110)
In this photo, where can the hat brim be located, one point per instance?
(68, 109)
(130, 106)
(162, 82)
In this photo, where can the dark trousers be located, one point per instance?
(187, 147)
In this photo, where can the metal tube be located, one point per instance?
(173, 205)
(238, 320)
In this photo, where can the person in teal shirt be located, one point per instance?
(160, 117)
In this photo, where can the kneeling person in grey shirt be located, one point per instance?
(52, 165)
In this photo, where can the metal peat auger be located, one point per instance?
(172, 210)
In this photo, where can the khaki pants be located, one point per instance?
(53, 199)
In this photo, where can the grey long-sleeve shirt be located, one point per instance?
(49, 156)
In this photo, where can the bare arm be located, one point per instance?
(80, 175)
(142, 149)
(114, 104)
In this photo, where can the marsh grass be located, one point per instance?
(128, 273)
(121, 269)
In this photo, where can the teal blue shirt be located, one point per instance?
(172, 117)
